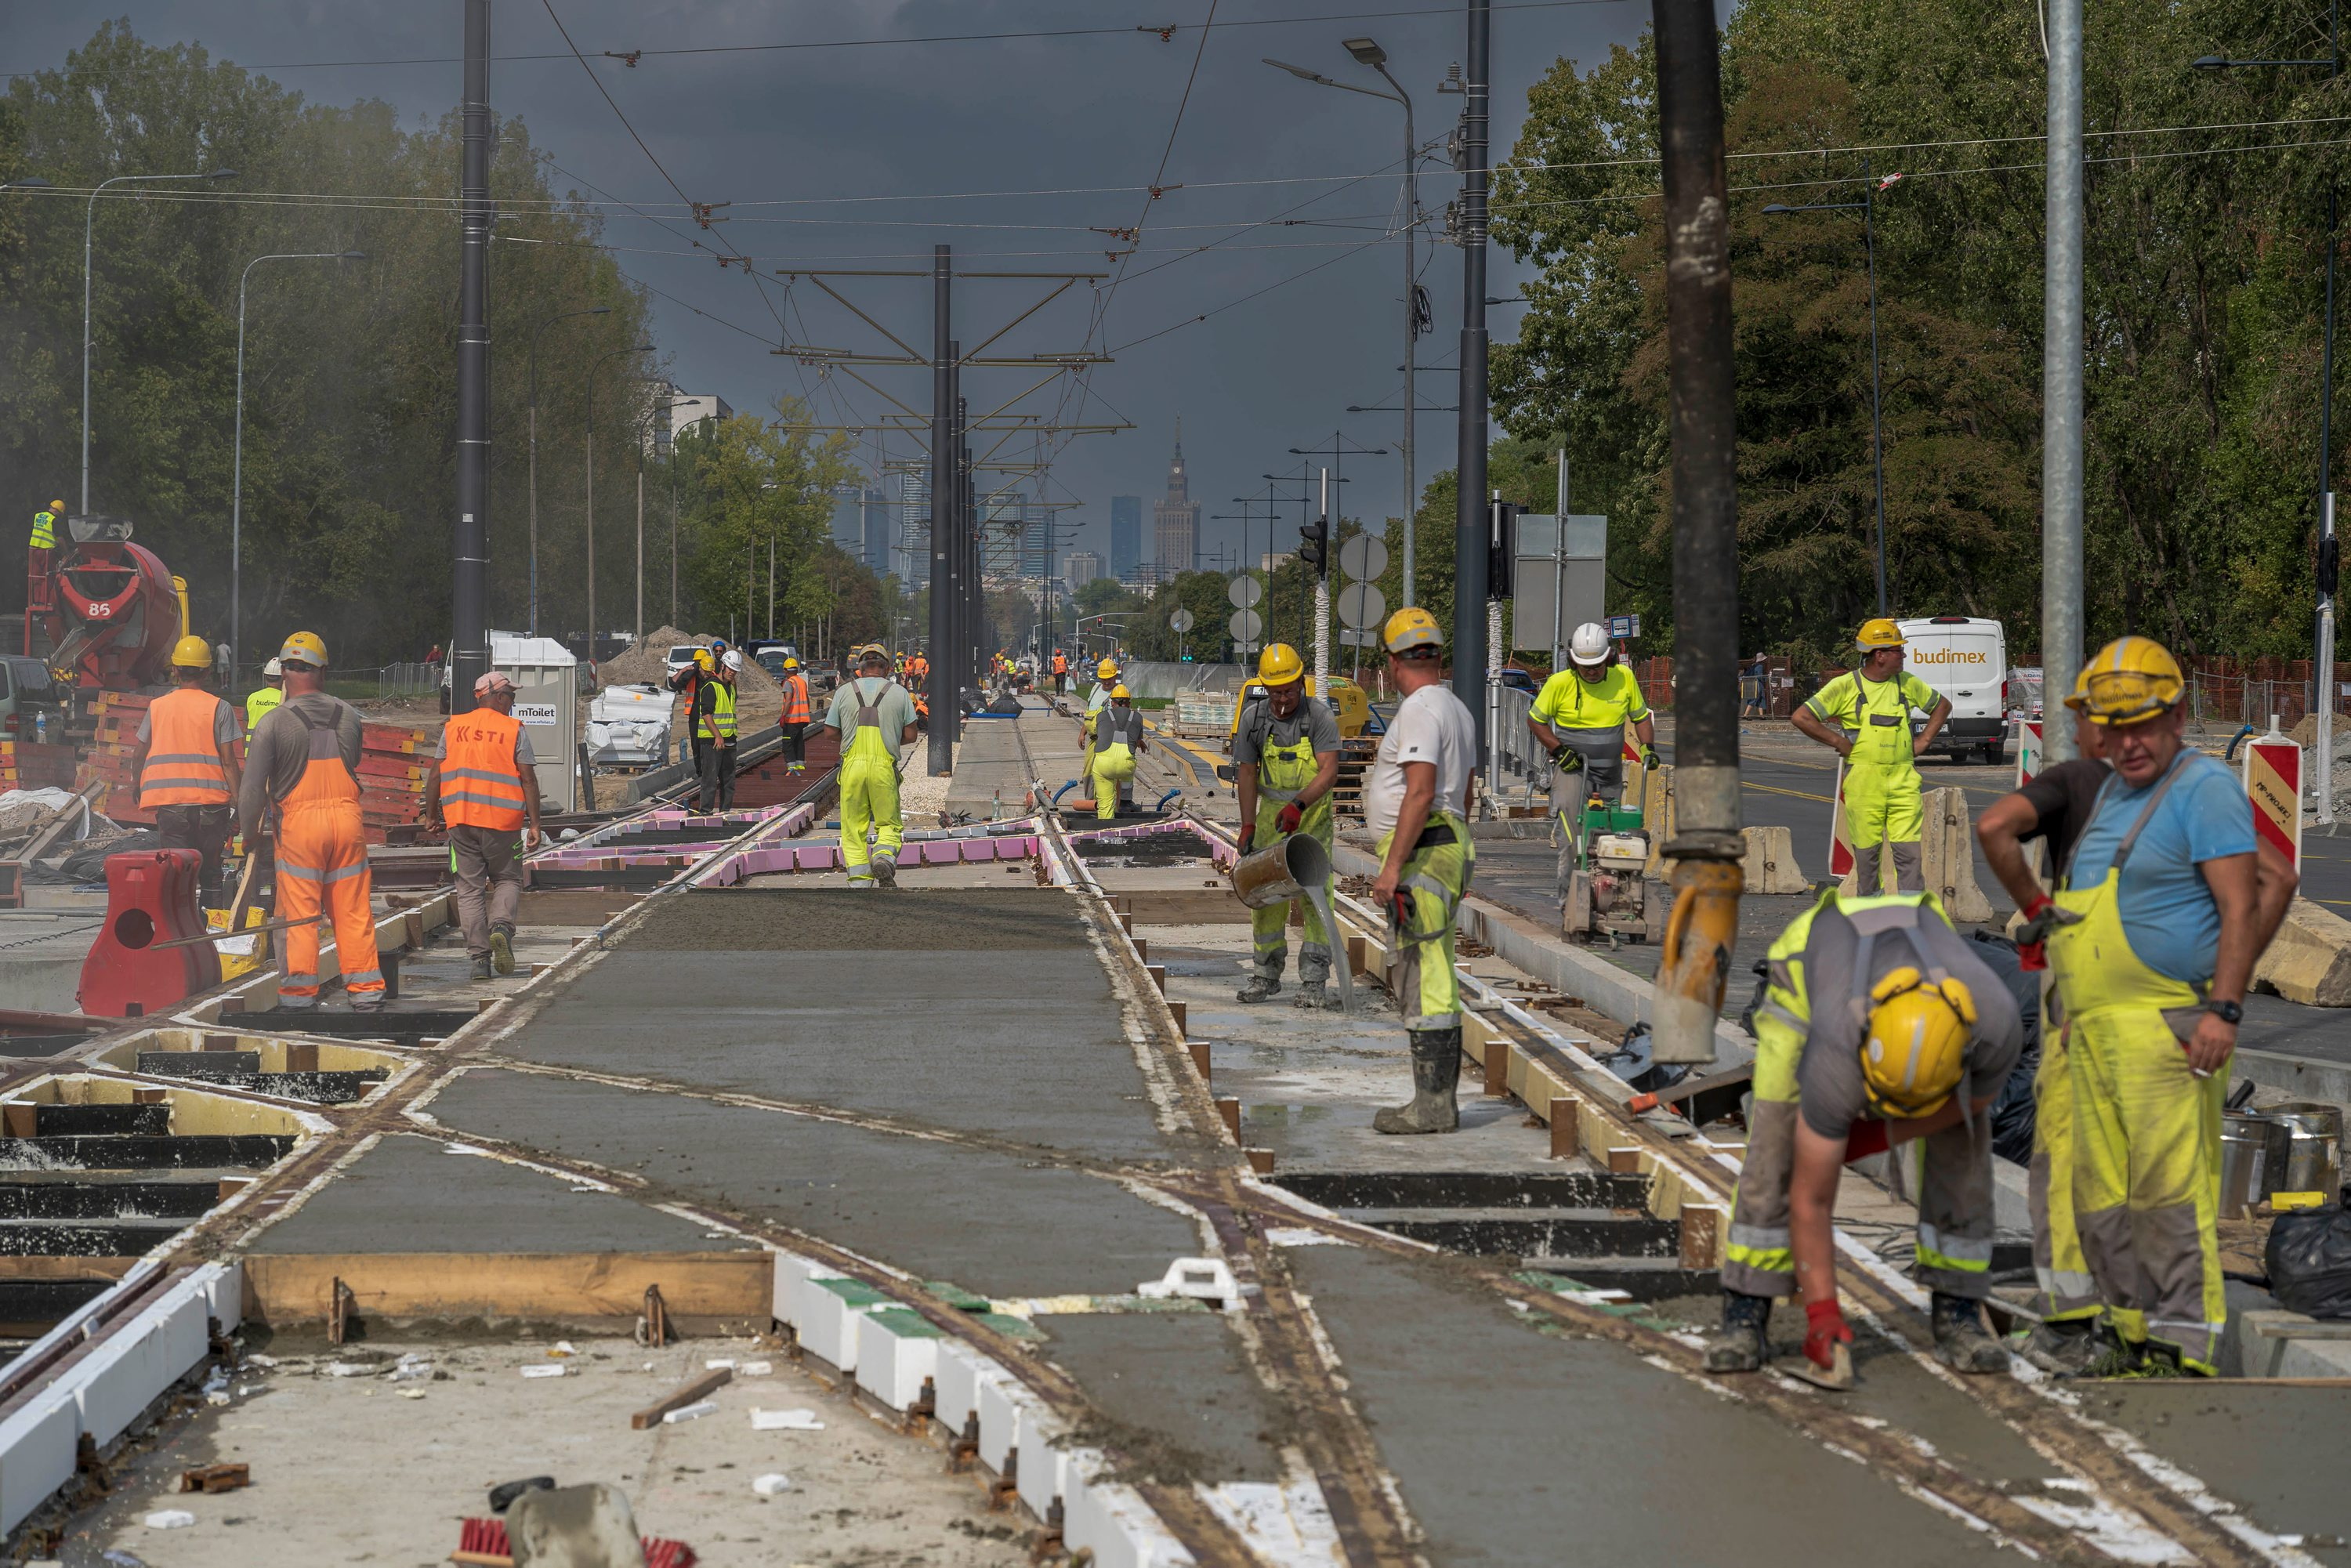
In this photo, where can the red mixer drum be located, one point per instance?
(150, 898)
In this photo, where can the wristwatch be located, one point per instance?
(2227, 1012)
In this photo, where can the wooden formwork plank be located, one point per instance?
(287, 1289)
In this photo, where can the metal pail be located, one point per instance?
(2313, 1162)
(1279, 872)
(2253, 1151)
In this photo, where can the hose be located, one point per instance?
(2230, 755)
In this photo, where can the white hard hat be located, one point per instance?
(273, 669)
(734, 660)
(1589, 643)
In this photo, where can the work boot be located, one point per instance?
(1741, 1344)
(1962, 1342)
(1260, 988)
(368, 1002)
(1436, 1068)
(885, 871)
(502, 951)
(2115, 1355)
(1314, 996)
(481, 968)
(2064, 1349)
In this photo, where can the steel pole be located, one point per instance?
(534, 487)
(1469, 501)
(469, 651)
(2061, 382)
(1322, 597)
(640, 633)
(2321, 670)
(1411, 341)
(1708, 846)
(942, 749)
(1876, 418)
(235, 494)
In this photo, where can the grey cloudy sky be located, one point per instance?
(867, 156)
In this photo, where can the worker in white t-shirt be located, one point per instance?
(1416, 802)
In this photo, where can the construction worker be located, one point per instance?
(875, 717)
(38, 557)
(1118, 741)
(1105, 678)
(486, 789)
(1060, 672)
(263, 698)
(795, 718)
(918, 671)
(1416, 803)
(686, 682)
(714, 729)
(2152, 942)
(1285, 762)
(186, 763)
(1580, 716)
(303, 760)
(1871, 708)
(1879, 1027)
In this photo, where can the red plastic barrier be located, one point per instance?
(151, 897)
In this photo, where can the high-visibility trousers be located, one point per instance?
(1882, 807)
(1113, 765)
(2067, 1291)
(869, 800)
(322, 868)
(1269, 933)
(1436, 878)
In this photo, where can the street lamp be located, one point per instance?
(29, 182)
(535, 331)
(1868, 206)
(236, 460)
(1368, 53)
(590, 401)
(89, 221)
(2322, 670)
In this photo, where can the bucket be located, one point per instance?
(1282, 871)
(2253, 1153)
(2314, 1161)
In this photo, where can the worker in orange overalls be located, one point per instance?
(186, 764)
(918, 672)
(796, 717)
(1060, 672)
(304, 760)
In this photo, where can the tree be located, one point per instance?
(759, 497)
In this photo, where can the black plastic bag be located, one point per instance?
(2309, 1260)
(1634, 1062)
(2014, 1108)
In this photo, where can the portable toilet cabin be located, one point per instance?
(546, 699)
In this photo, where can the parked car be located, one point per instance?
(1965, 659)
(28, 694)
(681, 654)
(823, 674)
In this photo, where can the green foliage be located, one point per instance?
(755, 500)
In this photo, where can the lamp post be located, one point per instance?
(236, 458)
(1369, 52)
(90, 220)
(2322, 668)
(1868, 206)
(29, 182)
(1337, 450)
(535, 331)
(590, 401)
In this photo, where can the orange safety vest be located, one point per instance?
(481, 785)
(796, 701)
(1060, 663)
(183, 764)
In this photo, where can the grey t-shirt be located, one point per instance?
(892, 707)
(1828, 1076)
(279, 752)
(1259, 728)
(226, 728)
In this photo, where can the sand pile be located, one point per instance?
(759, 697)
(645, 662)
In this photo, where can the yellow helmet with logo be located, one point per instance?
(1119, 694)
(1280, 664)
(1912, 1057)
(1107, 670)
(704, 662)
(2130, 679)
(1877, 633)
(191, 654)
(1410, 629)
(2080, 692)
(304, 647)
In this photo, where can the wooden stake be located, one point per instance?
(1563, 1129)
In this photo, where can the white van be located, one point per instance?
(1966, 660)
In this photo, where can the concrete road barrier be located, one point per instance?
(1948, 853)
(1770, 864)
(2309, 961)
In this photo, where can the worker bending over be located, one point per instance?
(714, 726)
(1878, 1028)
(1416, 804)
(795, 719)
(1580, 716)
(487, 788)
(1105, 678)
(263, 698)
(186, 764)
(2152, 940)
(303, 760)
(1871, 708)
(1118, 741)
(1285, 760)
(875, 720)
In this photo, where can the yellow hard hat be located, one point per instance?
(704, 662)
(191, 654)
(1880, 633)
(305, 648)
(1107, 670)
(59, 505)
(1411, 629)
(2130, 679)
(2080, 692)
(1119, 693)
(790, 663)
(1280, 664)
(1916, 1045)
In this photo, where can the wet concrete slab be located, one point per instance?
(2252, 1446)
(412, 1193)
(1175, 1400)
(991, 1222)
(1512, 1446)
(841, 920)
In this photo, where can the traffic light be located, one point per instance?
(1314, 548)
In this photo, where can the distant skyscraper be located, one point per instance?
(1085, 567)
(861, 524)
(1125, 536)
(912, 555)
(1175, 531)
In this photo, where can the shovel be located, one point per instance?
(1836, 1377)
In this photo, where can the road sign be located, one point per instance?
(1364, 557)
(2272, 774)
(1182, 621)
(1244, 591)
(1362, 604)
(1363, 639)
(1246, 625)
(1623, 626)
(1841, 857)
(2028, 751)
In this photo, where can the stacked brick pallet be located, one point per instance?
(394, 763)
(25, 764)
(112, 747)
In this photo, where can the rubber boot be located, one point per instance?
(1260, 988)
(502, 951)
(1741, 1344)
(1436, 1068)
(1961, 1341)
(2066, 1349)
(1316, 996)
(885, 869)
(481, 968)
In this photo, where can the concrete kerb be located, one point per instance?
(2309, 961)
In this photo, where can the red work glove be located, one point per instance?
(1290, 818)
(2032, 952)
(1824, 1326)
(1248, 835)
(1866, 1138)
(1402, 910)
